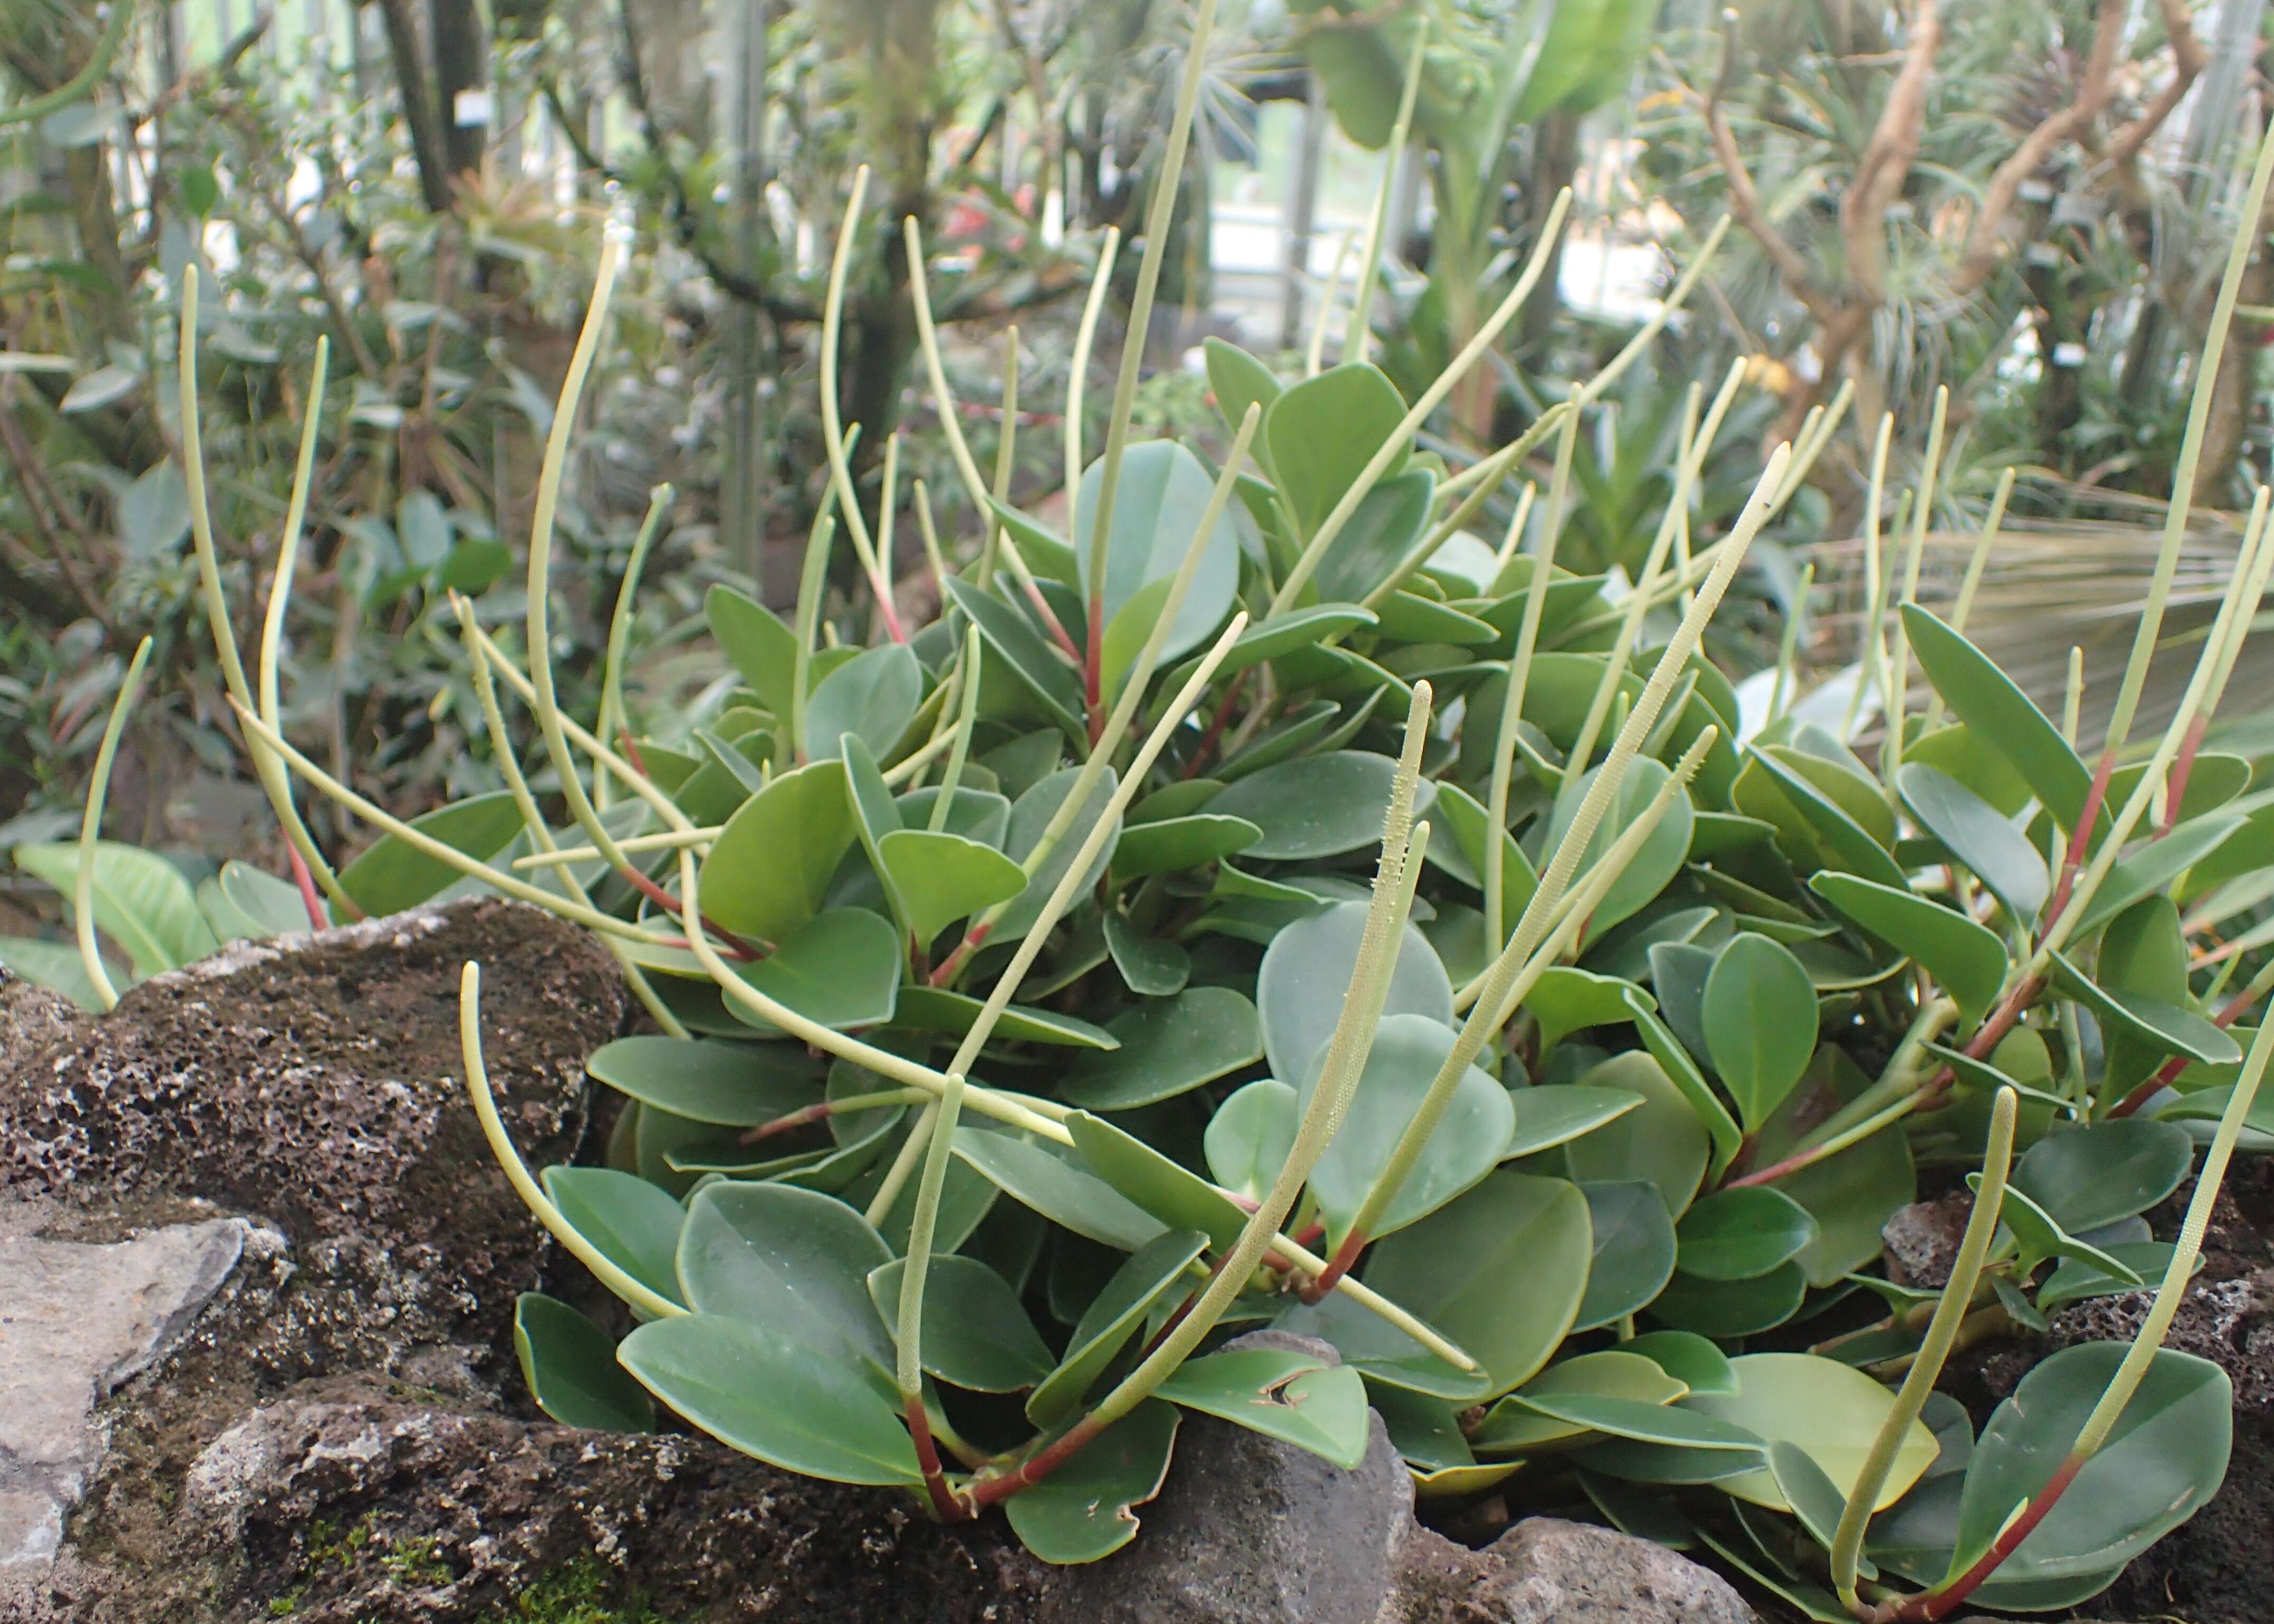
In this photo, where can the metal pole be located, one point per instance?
(1302, 213)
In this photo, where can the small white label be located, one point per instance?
(2042, 253)
(2069, 353)
(2035, 191)
(471, 107)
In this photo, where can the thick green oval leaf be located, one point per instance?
(1851, 1195)
(1759, 1018)
(1565, 1000)
(1151, 967)
(1170, 844)
(1661, 856)
(975, 1333)
(1158, 505)
(1501, 1271)
(840, 969)
(1321, 432)
(760, 646)
(1030, 817)
(2000, 855)
(730, 1085)
(1732, 1308)
(390, 876)
(1306, 974)
(1084, 1510)
(2165, 1027)
(2165, 1457)
(1660, 1141)
(1239, 381)
(570, 1366)
(1407, 1054)
(1463, 854)
(1687, 1359)
(1149, 1275)
(257, 903)
(1317, 806)
(1513, 1426)
(1168, 1046)
(631, 1221)
(1171, 1192)
(142, 902)
(1250, 1136)
(1043, 1177)
(1552, 1114)
(1634, 1250)
(1289, 1397)
(1968, 959)
(2088, 1176)
(1829, 1410)
(793, 1260)
(937, 1009)
(2153, 867)
(1035, 664)
(2000, 714)
(772, 862)
(873, 696)
(1743, 1234)
(754, 1390)
(940, 878)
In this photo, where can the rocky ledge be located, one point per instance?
(257, 1273)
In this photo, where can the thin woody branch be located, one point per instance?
(1886, 161)
(2189, 59)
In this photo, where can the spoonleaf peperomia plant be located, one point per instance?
(1268, 904)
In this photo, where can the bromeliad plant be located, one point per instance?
(1027, 1021)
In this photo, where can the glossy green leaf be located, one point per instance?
(1743, 1234)
(2077, 1279)
(1812, 830)
(1268, 640)
(795, 1261)
(753, 639)
(1026, 653)
(1321, 432)
(1829, 1410)
(1084, 1510)
(390, 876)
(1515, 1425)
(141, 901)
(1662, 1141)
(2165, 1027)
(1501, 1271)
(1041, 1177)
(1249, 1137)
(1462, 854)
(937, 1009)
(2042, 1238)
(57, 966)
(1168, 1046)
(1171, 1192)
(1317, 806)
(772, 862)
(1151, 966)
(1384, 1354)
(570, 1366)
(1968, 959)
(2000, 714)
(975, 1333)
(1408, 1052)
(1030, 816)
(631, 1221)
(840, 969)
(1306, 974)
(1661, 856)
(1633, 1252)
(1851, 1195)
(1999, 855)
(1289, 1397)
(1688, 1358)
(1172, 844)
(1662, 1046)
(1565, 1000)
(941, 877)
(1383, 528)
(1237, 380)
(1723, 1309)
(873, 696)
(2165, 1457)
(1150, 1274)
(754, 1390)
(257, 904)
(1552, 1114)
(1759, 1018)
(2153, 867)
(731, 1084)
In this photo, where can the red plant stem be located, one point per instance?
(632, 751)
(1093, 666)
(2079, 840)
(802, 1117)
(944, 1500)
(1217, 724)
(1337, 1266)
(952, 964)
(731, 945)
(2169, 1071)
(892, 628)
(986, 1491)
(1052, 624)
(2175, 786)
(317, 918)
(1944, 1599)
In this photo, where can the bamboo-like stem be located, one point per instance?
(812, 580)
(1500, 463)
(1314, 353)
(1514, 538)
(1314, 548)
(1970, 582)
(533, 817)
(662, 840)
(967, 718)
(1077, 386)
(90, 828)
(888, 499)
(930, 534)
(2191, 441)
(1005, 449)
(605, 1269)
(1360, 329)
(1788, 644)
(1941, 1332)
(959, 448)
(612, 719)
(1159, 209)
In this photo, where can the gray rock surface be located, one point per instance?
(76, 1321)
(1553, 1572)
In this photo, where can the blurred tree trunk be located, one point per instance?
(462, 75)
(2233, 390)
(1555, 161)
(415, 87)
